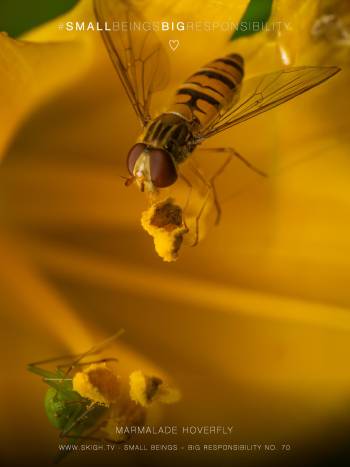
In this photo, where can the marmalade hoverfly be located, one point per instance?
(211, 100)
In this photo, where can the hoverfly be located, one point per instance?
(213, 99)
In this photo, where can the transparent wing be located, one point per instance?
(264, 92)
(137, 54)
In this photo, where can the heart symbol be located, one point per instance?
(174, 44)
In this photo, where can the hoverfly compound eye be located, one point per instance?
(133, 155)
(163, 170)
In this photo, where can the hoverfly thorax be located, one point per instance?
(152, 163)
(151, 168)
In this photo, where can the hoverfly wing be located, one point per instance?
(264, 92)
(137, 54)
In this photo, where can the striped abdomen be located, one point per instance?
(210, 90)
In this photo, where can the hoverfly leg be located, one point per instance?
(52, 360)
(233, 153)
(197, 171)
(80, 364)
(198, 217)
(210, 184)
(190, 187)
(96, 349)
(210, 189)
(215, 193)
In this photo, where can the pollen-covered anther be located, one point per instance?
(146, 389)
(164, 222)
(98, 383)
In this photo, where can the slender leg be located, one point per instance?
(233, 153)
(198, 172)
(211, 182)
(96, 349)
(200, 212)
(189, 184)
(101, 360)
(202, 178)
(211, 188)
(34, 367)
(52, 360)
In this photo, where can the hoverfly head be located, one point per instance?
(151, 168)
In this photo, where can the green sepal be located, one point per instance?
(254, 19)
(20, 16)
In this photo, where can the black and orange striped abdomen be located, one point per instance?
(210, 90)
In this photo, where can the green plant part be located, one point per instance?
(32, 14)
(71, 415)
(76, 417)
(255, 17)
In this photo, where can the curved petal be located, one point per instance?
(37, 67)
(252, 321)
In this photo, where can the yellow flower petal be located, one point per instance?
(260, 310)
(35, 69)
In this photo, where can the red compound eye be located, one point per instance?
(133, 155)
(163, 170)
